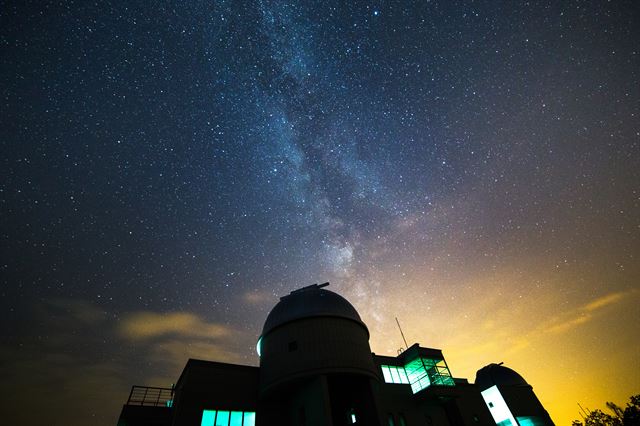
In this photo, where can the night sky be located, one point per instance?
(169, 170)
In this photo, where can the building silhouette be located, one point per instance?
(317, 369)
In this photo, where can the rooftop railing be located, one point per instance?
(151, 396)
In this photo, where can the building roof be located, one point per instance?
(308, 302)
(497, 374)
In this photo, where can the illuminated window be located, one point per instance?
(259, 346)
(393, 374)
(249, 419)
(530, 421)
(228, 418)
(208, 417)
(222, 418)
(395, 377)
(498, 407)
(386, 374)
(424, 372)
(236, 418)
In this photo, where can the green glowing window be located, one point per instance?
(228, 418)
(498, 407)
(249, 419)
(222, 418)
(352, 416)
(236, 418)
(424, 372)
(208, 418)
(530, 421)
(393, 374)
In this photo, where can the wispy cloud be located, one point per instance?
(603, 301)
(567, 324)
(258, 297)
(585, 313)
(145, 325)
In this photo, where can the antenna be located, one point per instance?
(586, 413)
(402, 334)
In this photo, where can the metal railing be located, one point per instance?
(151, 396)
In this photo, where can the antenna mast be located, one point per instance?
(402, 334)
(586, 413)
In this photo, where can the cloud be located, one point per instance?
(585, 313)
(79, 352)
(257, 297)
(145, 325)
(603, 301)
(568, 324)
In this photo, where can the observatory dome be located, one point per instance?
(308, 302)
(497, 374)
(312, 332)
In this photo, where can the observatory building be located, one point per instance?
(317, 369)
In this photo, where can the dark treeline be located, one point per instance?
(628, 416)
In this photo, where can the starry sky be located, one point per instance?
(169, 169)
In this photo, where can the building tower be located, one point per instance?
(315, 362)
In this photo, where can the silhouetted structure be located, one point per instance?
(317, 369)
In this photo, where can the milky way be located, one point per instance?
(170, 169)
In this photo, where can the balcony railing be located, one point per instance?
(150, 396)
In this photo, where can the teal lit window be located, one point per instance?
(352, 416)
(394, 374)
(386, 374)
(208, 417)
(228, 418)
(424, 372)
(530, 421)
(498, 407)
(395, 377)
(236, 418)
(259, 346)
(222, 418)
(249, 419)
